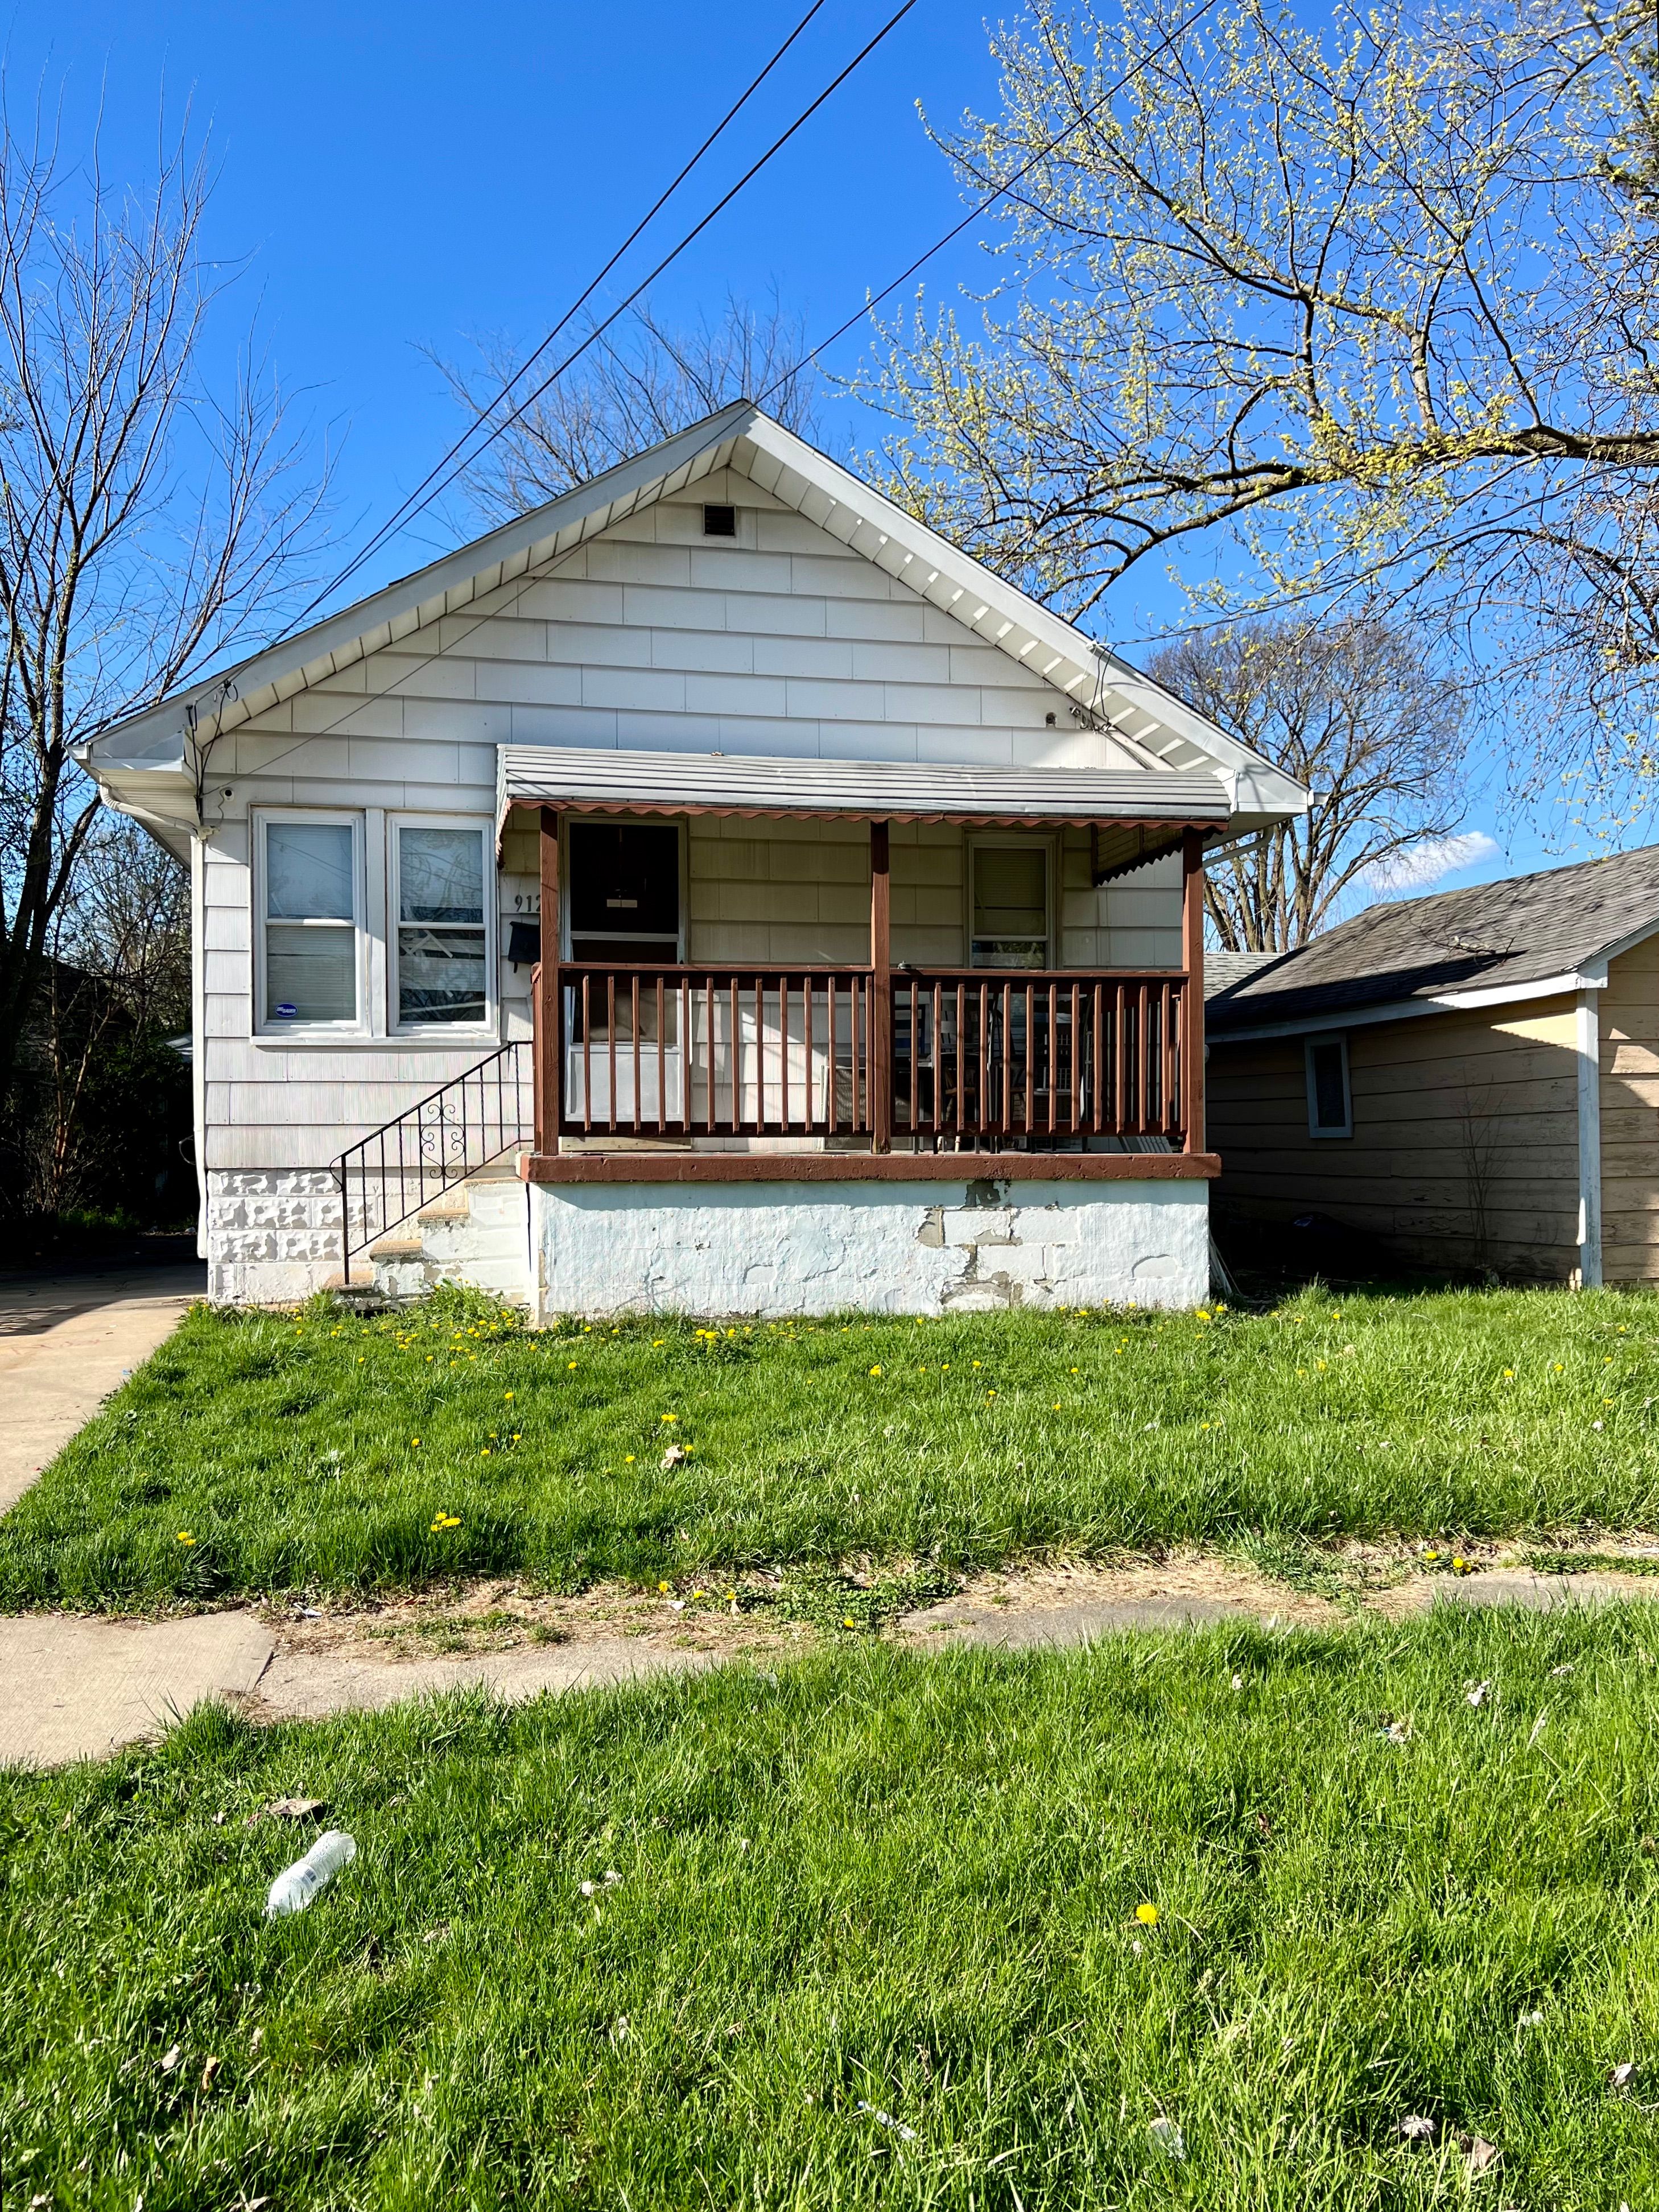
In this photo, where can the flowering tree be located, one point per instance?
(1360, 314)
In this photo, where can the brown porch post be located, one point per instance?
(549, 1011)
(1192, 1000)
(881, 992)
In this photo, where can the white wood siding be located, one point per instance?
(650, 636)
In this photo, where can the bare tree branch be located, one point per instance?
(639, 384)
(1349, 710)
(146, 522)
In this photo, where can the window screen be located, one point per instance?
(310, 922)
(1011, 906)
(442, 939)
(1329, 1112)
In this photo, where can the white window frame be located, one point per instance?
(437, 1032)
(1315, 1128)
(264, 819)
(1017, 840)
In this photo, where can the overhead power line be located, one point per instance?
(430, 489)
(983, 207)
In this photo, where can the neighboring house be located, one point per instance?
(1473, 1078)
(798, 916)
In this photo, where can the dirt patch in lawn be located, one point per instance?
(497, 1615)
(1292, 1581)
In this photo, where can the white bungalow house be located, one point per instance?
(712, 890)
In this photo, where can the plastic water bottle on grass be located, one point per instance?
(295, 1887)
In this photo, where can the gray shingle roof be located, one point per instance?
(1486, 938)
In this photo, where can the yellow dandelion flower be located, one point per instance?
(875, 1370)
(668, 1417)
(1146, 1915)
(184, 1536)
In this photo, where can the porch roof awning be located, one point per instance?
(606, 781)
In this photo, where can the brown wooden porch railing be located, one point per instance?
(712, 1052)
(996, 1056)
(980, 1059)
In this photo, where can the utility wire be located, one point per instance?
(422, 497)
(875, 299)
(482, 414)
(983, 206)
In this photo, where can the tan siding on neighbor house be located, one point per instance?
(1465, 1144)
(1629, 1116)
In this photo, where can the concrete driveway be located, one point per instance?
(65, 1343)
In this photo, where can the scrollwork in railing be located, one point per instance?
(437, 1141)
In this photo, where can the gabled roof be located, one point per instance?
(151, 752)
(1458, 948)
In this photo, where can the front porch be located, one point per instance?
(775, 1138)
(663, 1070)
(947, 1104)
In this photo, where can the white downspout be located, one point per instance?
(1590, 1141)
(199, 1034)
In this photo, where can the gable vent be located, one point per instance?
(720, 521)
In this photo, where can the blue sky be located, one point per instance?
(410, 177)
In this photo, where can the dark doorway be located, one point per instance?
(624, 892)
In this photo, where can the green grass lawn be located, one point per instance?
(320, 1451)
(872, 1881)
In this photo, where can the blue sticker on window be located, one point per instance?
(286, 1012)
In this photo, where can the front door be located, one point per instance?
(623, 1064)
(624, 892)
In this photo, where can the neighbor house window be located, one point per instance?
(1330, 1102)
(441, 875)
(310, 871)
(1010, 893)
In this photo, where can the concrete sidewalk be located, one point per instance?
(65, 1343)
(79, 1688)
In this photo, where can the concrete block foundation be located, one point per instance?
(777, 1248)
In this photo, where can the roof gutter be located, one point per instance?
(1593, 977)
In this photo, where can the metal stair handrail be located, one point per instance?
(439, 1142)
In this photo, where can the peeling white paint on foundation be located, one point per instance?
(884, 1246)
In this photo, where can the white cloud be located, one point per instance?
(1420, 867)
